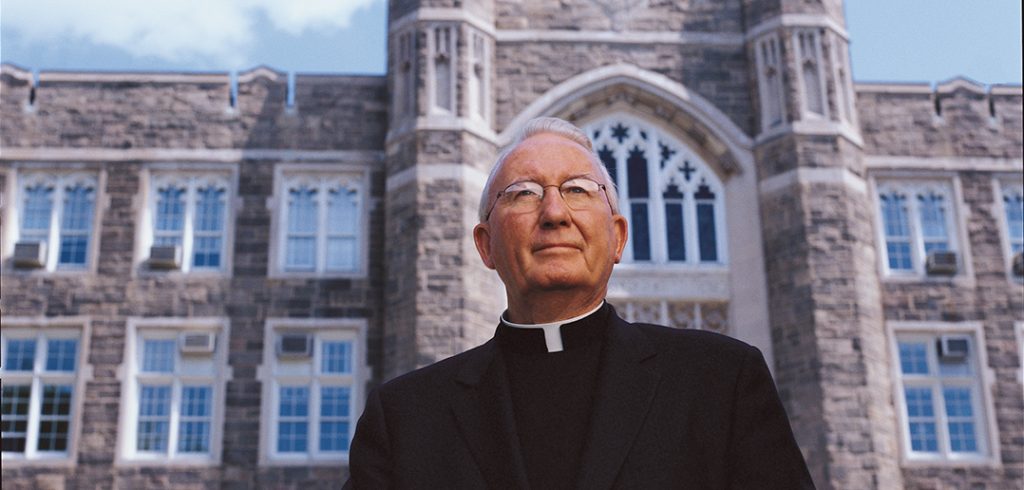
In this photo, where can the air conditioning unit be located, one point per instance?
(165, 257)
(941, 262)
(197, 342)
(1018, 264)
(29, 255)
(295, 345)
(953, 348)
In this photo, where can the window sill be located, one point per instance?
(61, 461)
(304, 460)
(167, 462)
(938, 462)
(279, 274)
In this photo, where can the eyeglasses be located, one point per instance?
(579, 193)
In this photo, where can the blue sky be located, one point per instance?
(892, 40)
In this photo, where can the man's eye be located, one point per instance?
(575, 189)
(524, 193)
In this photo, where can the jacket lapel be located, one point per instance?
(625, 391)
(483, 410)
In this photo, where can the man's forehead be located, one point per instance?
(547, 155)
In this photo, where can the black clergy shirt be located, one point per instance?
(552, 395)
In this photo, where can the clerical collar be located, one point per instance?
(551, 337)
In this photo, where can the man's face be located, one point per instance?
(554, 247)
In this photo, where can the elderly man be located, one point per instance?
(567, 394)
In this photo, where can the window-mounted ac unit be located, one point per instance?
(1018, 264)
(941, 263)
(295, 345)
(165, 257)
(29, 255)
(197, 342)
(953, 348)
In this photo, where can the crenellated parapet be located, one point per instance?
(258, 108)
(958, 117)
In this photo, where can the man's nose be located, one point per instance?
(554, 212)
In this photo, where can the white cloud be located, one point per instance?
(173, 30)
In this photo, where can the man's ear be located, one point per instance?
(621, 230)
(482, 239)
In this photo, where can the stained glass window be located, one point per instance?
(673, 201)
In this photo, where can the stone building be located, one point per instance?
(203, 273)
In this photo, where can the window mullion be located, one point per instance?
(916, 232)
(53, 234)
(174, 419)
(314, 416)
(34, 413)
(942, 419)
(690, 231)
(659, 239)
(322, 203)
(187, 233)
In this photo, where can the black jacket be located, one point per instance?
(674, 409)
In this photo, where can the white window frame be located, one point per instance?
(349, 329)
(24, 174)
(656, 202)
(769, 57)
(345, 174)
(982, 384)
(40, 329)
(999, 185)
(949, 185)
(802, 57)
(193, 175)
(131, 378)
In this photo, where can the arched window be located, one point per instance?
(673, 201)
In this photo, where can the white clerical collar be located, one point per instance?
(552, 332)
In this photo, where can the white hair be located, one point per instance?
(558, 127)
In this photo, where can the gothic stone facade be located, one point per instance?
(204, 273)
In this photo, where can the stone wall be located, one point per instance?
(330, 113)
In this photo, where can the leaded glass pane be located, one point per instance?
(293, 422)
(706, 232)
(641, 231)
(674, 234)
(636, 166)
(158, 356)
(343, 212)
(336, 357)
(76, 224)
(61, 354)
(334, 418)
(21, 355)
(1013, 204)
(608, 159)
(897, 231)
(55, 418)
(154, 418)
(209, 228)
(38, 208)
(341, 254)
(14, 403)
(913, 357)
(933, 222)
(959, 411)
(300, 247)
(194, 427)
(170, 212)
(921, 415)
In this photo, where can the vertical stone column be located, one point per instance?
(828, 332)
(439, 298)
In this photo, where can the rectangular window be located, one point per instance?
(39, 388)
(941, 396)
(916, 222)
(57, 212)
(171, 396)
(322, 222)
(311, 391)
(190, 213)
